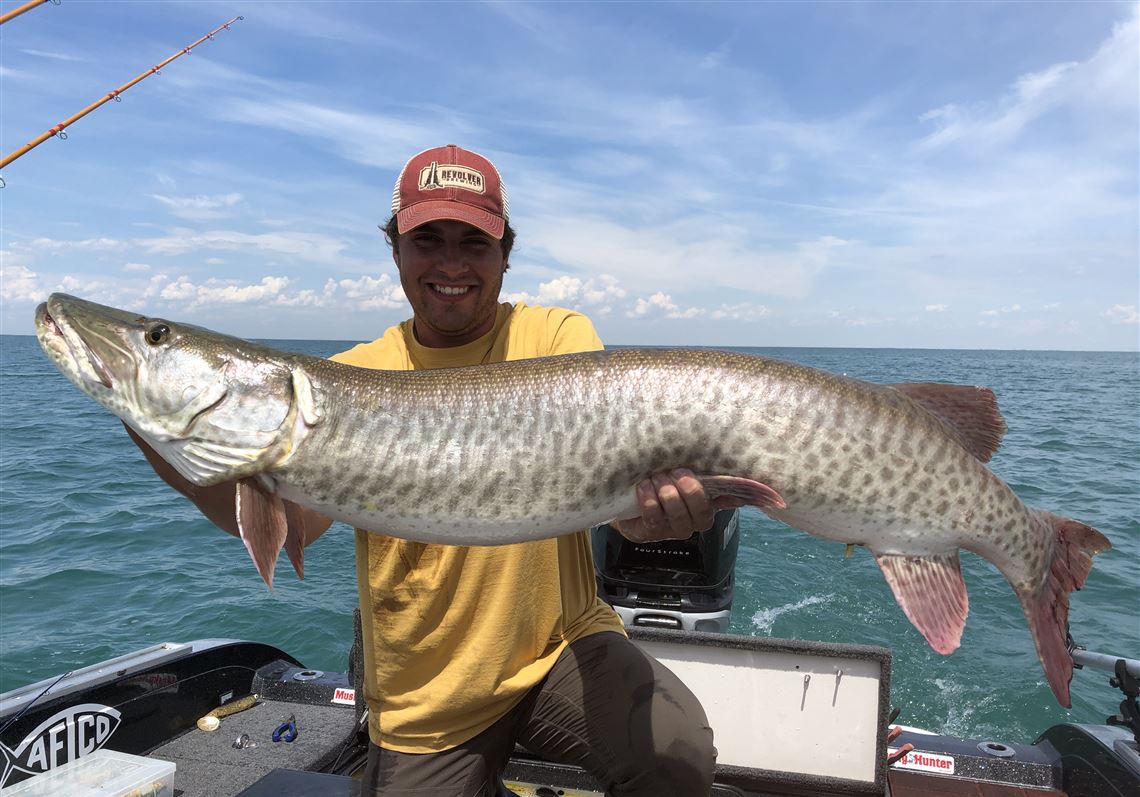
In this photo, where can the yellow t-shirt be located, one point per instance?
(455, 636)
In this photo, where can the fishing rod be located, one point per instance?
(58, 130)
(15, 12)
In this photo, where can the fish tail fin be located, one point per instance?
(1047, 608)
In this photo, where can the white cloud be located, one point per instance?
(1104, 83)
(215, 291)
(744, 311)
(154, 286)
(716, 57)
(53, 246)
(672, 253)
(367, 138)
(55, 56)
(20, 284)
(661, 304)
(568, 291)
(1122, 314)
(200, 206)
(867, 321)
(136, 267)
(366, 293)
(306, 246)
(1016, 308)
(936, 308)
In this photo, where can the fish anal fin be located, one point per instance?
(296, 536)
(263, 525)
(747, 490)
(932, 594)
(970, 412)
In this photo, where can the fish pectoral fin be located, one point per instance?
(201, 462)
(296, 535)
(263, 525)
(746, 490)
(932, 594)
(971, 413)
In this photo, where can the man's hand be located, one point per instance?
(674, 504)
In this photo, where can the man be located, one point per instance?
(470, 650)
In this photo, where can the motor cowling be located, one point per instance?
(684, 584)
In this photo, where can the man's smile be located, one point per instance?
(450, 290)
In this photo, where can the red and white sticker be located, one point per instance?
(924, 762)
(345, 697)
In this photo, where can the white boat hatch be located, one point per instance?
(808, 712)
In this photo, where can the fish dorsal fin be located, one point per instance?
(263, 525)
(971, 413)
(932, 594)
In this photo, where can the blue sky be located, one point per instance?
(766, 174)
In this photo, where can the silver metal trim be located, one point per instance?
(117, 667)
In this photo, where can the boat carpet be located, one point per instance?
(208, 764)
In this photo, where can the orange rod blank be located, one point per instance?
(15, 12)
(35, 142)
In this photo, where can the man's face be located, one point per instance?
(452, 273)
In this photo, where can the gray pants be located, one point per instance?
(606, 706)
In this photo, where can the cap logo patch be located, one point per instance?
(434, 176)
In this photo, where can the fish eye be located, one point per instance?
(157, 334)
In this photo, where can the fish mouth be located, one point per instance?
(59, 337)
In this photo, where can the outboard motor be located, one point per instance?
(684, 584)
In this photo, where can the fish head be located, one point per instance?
(215, 407)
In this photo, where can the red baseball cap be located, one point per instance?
(450, 183)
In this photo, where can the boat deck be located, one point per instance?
(208, 764)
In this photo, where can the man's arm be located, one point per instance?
(217, 503)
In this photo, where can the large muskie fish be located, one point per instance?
(525, 450)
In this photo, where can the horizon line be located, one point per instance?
(718, 346)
